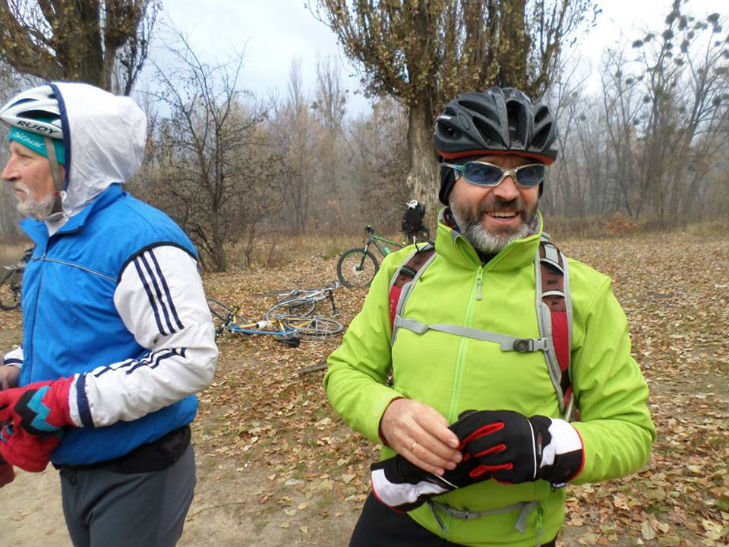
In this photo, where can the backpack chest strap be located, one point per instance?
(507, 342)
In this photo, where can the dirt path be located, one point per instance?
(225, 512)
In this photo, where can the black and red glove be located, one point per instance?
(512, 448)
(35, 415)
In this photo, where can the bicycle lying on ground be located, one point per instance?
(227, 319)
(10, 284)
(357, 267)
(289, 321)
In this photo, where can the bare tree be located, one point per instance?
(423, 53)
(565, 188)
(330, 98)
(378, 163)
(198, 153)
(102, 42)
(685, 98)
(294, 132)
(334, 203)
(651, 144)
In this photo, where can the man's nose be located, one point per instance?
(9, 172)
(507, 189)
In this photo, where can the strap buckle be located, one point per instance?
(528, 345)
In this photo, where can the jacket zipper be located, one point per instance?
(71, 264)
(29, 344)
(456, 395)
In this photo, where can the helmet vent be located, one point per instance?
(517, 124)
(37, 115)
(542, 138)
(480, 108)
(541, 113)
(489, 134)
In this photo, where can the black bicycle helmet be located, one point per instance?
(497, 121)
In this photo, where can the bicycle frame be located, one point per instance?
(374, 239)
(266, 327)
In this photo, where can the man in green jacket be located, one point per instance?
(475, 450)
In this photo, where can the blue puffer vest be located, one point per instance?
(70, 324)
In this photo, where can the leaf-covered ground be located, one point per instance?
(278, 467)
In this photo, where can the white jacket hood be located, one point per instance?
(104, 136)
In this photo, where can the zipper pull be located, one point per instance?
(479, 283)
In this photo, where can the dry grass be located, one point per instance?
(277, 249)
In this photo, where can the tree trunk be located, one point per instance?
(423, 179)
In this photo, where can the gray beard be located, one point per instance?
(39, 210)
(486, 242)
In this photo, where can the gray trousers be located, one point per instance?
(109, 509)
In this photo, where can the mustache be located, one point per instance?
(499, 205)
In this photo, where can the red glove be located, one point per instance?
(38, 408)
(29, 452)
(35, 414)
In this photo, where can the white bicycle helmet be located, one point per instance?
(35, 110)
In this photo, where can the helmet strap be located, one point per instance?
(55, 166)
(56, 174)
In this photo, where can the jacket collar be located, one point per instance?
(38, 231)
(453, 246)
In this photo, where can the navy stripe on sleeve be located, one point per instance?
(154, 359)
(83, 402)
(150, 297)
(166, 288)
(157, 293)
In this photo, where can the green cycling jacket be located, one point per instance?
(452, 373)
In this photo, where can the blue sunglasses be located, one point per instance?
(482, 173)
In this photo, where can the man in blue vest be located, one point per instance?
(117, 336)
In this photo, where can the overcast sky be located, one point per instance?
(272, 33)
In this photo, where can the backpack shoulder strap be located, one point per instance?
(404, 278)
(554, 312)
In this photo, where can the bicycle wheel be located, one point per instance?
(298, 307)
(356, 268)
(10, 290)
(315, 327)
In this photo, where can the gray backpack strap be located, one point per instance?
(507, 342)
(554, 315)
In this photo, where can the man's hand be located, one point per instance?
(9, 375)
(512, 448)
(6, 473)
(420, 434)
